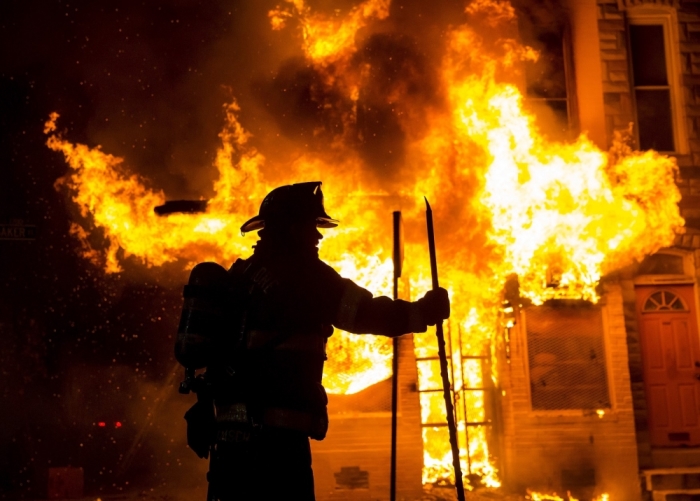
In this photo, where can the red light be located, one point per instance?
(118, 424)
(101, 424)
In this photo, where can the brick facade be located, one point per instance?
(617, 445)
(574, 441)
(617, 94)
(619, 112)
(362, 439)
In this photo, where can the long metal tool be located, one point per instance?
(459, 483)
(398, 262)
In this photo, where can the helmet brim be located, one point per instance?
(253, 224)
(258, 223)
(326, 222)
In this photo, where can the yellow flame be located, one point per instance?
(539, 496)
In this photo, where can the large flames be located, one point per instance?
(506, 200)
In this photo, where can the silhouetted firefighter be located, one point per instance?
(260, 329)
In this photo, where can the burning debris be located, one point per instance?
(181, 207)
(389, 114)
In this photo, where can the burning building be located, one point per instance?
(557, 143)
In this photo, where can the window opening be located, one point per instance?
(652, 91)
(548, 85)
(664, 301)
(566, 356)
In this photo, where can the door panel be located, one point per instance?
(689, 414)
(671, 361)
(684, 359)
(659, 412)
(655, 352)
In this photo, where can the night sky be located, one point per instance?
(147, 81)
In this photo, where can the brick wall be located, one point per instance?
(618, 98)
(363, 439)
(539, 445)
(634, 350)
(617, 94)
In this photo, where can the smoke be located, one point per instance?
(304, 109)
(396, 87)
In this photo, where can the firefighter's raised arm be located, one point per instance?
(361, 313)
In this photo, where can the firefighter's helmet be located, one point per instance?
(293, 202)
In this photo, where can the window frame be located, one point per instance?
(685, 308)
(612, 410)
(686, 278)
(666, 17)
(573, 124)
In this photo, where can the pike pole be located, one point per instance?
(398, 263)
(459, 484)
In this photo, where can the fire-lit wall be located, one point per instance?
(353, 462)
(559, 450)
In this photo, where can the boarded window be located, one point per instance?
(651, 87)
(566, 356)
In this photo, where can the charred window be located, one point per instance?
(566, 357)
(548, 87)
(652, 92)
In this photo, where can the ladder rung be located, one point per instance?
(452, 389)
(469, 423)
(465, 357)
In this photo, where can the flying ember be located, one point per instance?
(507, 200)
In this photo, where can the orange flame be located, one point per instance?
(506, 201)
(325, 38)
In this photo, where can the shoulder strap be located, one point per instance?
(238, 267)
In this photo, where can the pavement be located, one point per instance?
(162, 494)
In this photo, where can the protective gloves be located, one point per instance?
(434, 306)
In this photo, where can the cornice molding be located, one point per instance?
(627, 4)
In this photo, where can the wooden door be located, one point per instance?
(671, 361)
